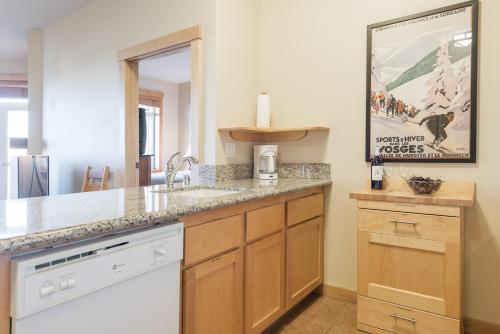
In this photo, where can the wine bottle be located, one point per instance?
(377, 170)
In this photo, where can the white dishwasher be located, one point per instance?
(124, 284)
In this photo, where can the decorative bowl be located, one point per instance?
(423, 185)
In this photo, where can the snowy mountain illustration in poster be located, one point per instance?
(420, 106)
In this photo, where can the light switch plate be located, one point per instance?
(230, 150)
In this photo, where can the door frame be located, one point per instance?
(129, 88)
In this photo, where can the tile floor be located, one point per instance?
(318, 315)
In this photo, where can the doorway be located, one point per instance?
(178, 42)
(165, 120)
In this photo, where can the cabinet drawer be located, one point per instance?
(206, 240)
(440, 210)
(418, 273)
(265, 221)
(403, 320)
(305, 208)
(441, 228)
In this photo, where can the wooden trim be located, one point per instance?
(181, 38)
(197, 97)
(130, 89)
(475, 326)
(339, 293)
(158, 97)
(4, 294)
(154, 94)
(190, 37)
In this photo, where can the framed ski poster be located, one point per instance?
(421, 86)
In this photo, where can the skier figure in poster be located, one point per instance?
(436, 125)
(381, 97)
(391, 105)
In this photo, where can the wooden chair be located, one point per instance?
(95, 179)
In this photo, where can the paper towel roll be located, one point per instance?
(263, 111)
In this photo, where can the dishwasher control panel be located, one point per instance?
(108, 264)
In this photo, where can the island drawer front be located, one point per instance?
(209, 239)
(439, 210)
(398, 319)
(305, 208)
(418, 273)
(431, 227)
(265, 221)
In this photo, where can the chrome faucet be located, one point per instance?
(171, 170)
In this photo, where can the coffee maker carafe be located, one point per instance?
(265, 162)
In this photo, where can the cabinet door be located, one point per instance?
(419, 273)
(264, 282)
(213, 296)
(304, 260)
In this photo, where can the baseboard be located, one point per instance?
(471, 326)
(339, 293)
(475, 326)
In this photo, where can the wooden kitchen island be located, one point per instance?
(411, 259)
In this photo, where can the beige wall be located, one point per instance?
(313, 66)
(13, 66)
(35, 92)
(170, 124)
(184, 117)
(237, 64)
(82, 121)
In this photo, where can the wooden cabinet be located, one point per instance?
(207, 240)
(264, 221)
(213, 296)
(302, 209)
(410, 264)
(264, 282)
(396, 319)
(304, 260)
(423, 274)
(282, 263)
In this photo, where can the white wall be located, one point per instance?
(184, 116)
(35, 92)
(13, 66)
(313, 66)
(170, 112)
(82, 123)
(3, 154)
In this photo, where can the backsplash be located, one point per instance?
(206, 174)
(304, 170)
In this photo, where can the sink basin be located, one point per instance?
(202, 193)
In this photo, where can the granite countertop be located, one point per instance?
(36, 223)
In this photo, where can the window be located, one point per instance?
(153, 103)
(17, 133)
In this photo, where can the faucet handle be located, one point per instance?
(169, 165)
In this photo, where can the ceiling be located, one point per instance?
(19, 16)
(174, 68)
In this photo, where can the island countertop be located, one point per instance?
(450, 194)
(41, 222)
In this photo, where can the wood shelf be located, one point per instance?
(252, 134)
